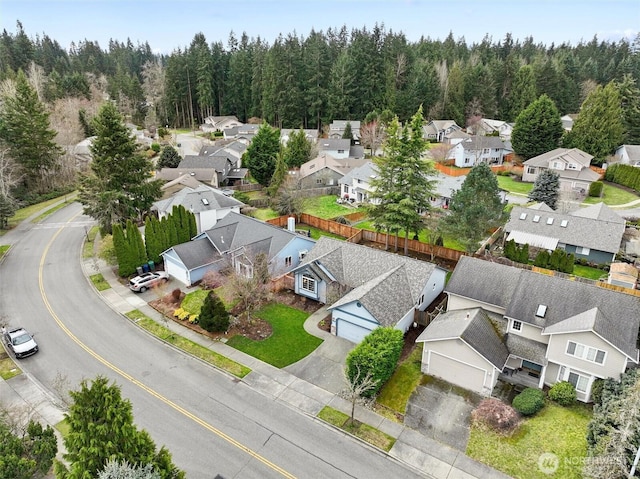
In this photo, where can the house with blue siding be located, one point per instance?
(366, 287)
(234, 242)
(593, 233)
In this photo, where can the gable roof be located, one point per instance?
(194, 254)
(202, 198)
(474, 328)
(216, 162)
(633, 152)
(324, 160)
(474, 143)
(573, 155)
(388, 285)
(596, 227)
(334, 144)
(364, 172)
(521, 292)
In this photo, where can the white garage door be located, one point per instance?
(176, 271)
(350, 331)
(455, 372)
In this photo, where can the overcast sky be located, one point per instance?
(171, 24)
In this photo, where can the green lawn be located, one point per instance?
(365, 432)
(556, 429)
(325, 207)
(316, 233)
(514, 186)
(8, 368)
(193, 301)
(3, 249)
(395, 393)
(23, 213)
(265, 214)
(589, 272)
(99, 282)
(87, 247)
(451, 243)
(612, 195)
(288, 343)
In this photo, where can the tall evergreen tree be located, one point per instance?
(169, 158)
(523, 92)
(7, 210)
(599, 130)
(475, 208)
(630, 98)
(347, 134)
(538, 129)
(298, 149)
(135, 245)
(101, 428)
(260, 156)
(546, 188)
(213, 315)
(119, 186)
(28, 136)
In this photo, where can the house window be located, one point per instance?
(557, 165)
(572, 166)
(340, 151)
(466, 161)
(516, 325)
(346, 188)
(586, 352)
(319, 181)
(485, 151)
(308, 283)
(531, 170)
(582, 250)
(287, 261)
(579, 382)
(359, 181)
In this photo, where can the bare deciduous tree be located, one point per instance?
(357, 386)
(249, 281)
(9, 173)
(440, 152)
(372, 136)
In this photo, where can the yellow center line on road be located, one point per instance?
(133, 380)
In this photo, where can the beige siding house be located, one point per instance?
(572, 165)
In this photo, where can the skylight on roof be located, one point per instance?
(523, 216)
(564, 223)
(205, 201)
(542, 310)
(549, 221)
(536, 218)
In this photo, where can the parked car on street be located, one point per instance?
(20, 342)
(141, 283)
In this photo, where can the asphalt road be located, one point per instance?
(213, 424)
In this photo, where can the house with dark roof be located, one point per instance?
(478, 149)
(572, 165)
(554, 329)
(208, 205)
(593, 233)
(366, 288)
(310, 134)
(234, 242)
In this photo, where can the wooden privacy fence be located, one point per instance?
(357, 235)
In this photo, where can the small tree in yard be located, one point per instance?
(213, 315)
(252, 291)
(357, 386)
(496, 415)
(169, 158)
(529, 401)
(563, 393)
(546, 188)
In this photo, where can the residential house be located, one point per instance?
(325, 170)
(356, 184)
(478, 149)
(593, 233)
(567, 121)
(489, 127)
(337, 127)
(366, 288)
(173, 186)
(219, 123)
(340, 148)
(207, 204)
(445, 187)
(571, 164)
(241, 132)
(623, 274)
(628, 155)
(455, 137)
(234, 242)
(437, 130)
(310, 135)
(554, 330)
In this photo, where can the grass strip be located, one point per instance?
(363, 431)
(188, 346)
(99, 282)
(8, 368)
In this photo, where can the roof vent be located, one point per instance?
(467, 316)
(542, 310)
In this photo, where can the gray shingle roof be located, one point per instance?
(196, 253)
(521, 292)
(474, 328)
(192, 200)
(364, 172)
(216, 162)
(334, 144)
(571, 155)
(474, 143)
(526, 348)
(596, 227)
(387, 284)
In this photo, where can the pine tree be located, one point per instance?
(28, 136)
(153, 239)
(510, 250)
(347, 134)
(120, 185)
(101, 428)
(523, 254)
(599, 130)
(26, 453)
(538, 129)
(260, 156)
(475, 208)
(542, 259)
(279, 174)
(213, 315)
(126, 264)
(135, 246)
(630, 98)
(523, 92)
(169, 158)
(546, 188)
(298, 149)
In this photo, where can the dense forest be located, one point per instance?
(309, 80)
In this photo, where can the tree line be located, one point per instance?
(309, 80)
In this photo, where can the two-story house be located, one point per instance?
(488, 126)
(437, 130)
(553, 330)
(356, 184)
(337, 127)
(478, 149)
(572, 165)
(324, 170)
(220, 123)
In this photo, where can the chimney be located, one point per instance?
(291, 224)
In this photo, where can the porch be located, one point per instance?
(521, 372)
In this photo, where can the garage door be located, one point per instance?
(455, 372)
(176, 271)
(350, 331)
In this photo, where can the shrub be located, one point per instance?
(193, 318)
(155, 147)
(496, 415)
(176, 295)
(596, 391)
(529, 401)
(178, 312)
(595, 189)
(563, 393)
(241, 196)
(183, 315)
(377, 354)
(211, 280)
(162, 132)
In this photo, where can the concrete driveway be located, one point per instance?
(436, 410)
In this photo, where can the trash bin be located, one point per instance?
(152, 266)
(145, 267)
(139, 270)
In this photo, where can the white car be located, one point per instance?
(20, 342)
(141, 283)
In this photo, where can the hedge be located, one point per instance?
(624, 175)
